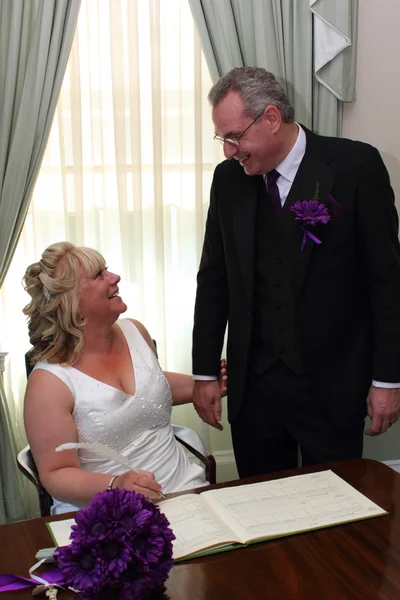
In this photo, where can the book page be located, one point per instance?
(60, 531)
(195, 526)
(290, 505)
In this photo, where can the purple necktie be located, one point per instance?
(273, 191)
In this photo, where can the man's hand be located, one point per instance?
(383, 409)
(207, 401)
(223, 378)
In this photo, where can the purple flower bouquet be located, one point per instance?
(121, 548)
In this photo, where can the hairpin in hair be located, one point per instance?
(46, 293)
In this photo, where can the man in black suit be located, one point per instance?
(310, 290)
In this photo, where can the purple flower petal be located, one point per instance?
(310, 212)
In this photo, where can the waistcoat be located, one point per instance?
(274, 334)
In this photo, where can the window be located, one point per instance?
(127, 170)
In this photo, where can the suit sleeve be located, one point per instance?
(380, 251)
(211, 306)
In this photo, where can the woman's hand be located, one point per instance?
(142, 482)
(223, 377)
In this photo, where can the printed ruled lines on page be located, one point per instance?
(291, 504)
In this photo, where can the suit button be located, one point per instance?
(281, 351)
(279, 328)
(278, 261)
(278, 238)
(278, 283)
(278, 307)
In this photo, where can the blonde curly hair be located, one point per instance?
(55, 327)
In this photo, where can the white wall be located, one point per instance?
(374, 118)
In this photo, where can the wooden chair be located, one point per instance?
(27, 466)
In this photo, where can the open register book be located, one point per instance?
(231, 517)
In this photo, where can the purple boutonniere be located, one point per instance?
(310, 213)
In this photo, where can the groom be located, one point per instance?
(301, 258)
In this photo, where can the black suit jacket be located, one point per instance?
(347, 289)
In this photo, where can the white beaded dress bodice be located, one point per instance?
(137, 426)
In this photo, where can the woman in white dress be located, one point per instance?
(97, 380)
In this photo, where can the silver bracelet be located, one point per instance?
(110, 485)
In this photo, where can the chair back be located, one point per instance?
(193, 442)
(27, 466)
(28, 365)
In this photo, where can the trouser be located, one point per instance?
(281, 414)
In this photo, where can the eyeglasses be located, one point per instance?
(234, 141)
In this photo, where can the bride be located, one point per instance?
(97, 380)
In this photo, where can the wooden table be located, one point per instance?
(358, 560)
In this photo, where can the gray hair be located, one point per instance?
(257, 87)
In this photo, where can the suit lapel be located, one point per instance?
(313, 177)
(244, 222)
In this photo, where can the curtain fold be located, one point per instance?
(335, 55)
(335, 46)
(294, 40)
(35, 40)
(12, 506)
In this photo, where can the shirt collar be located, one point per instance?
(290, 164)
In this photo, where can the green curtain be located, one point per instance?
(35, 41)
(11, 484)
(282, 36)
(334, 59)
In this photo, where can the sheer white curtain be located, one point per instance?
(127, 170)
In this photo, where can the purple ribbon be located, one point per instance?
(311, 236)
(10, 583)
